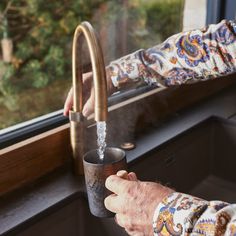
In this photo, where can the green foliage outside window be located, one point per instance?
(42, 33)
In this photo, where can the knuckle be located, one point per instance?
(130, 188)
(130, 226)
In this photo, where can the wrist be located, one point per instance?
(163, 193)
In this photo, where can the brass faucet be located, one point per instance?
(100, 88)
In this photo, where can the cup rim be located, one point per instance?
(103, 164)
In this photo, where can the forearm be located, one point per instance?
(181, 214)
(186, 57)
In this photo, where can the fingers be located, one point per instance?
(125, 175)
(87, 81)
(122, 174)
(68, 103)
(116, 184)
(132, 176)
(112, 203)
(89, 105)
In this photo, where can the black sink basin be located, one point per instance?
(201, 161)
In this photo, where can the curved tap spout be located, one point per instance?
(100, 88)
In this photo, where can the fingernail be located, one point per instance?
(122, 174)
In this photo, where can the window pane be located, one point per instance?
(36, 37)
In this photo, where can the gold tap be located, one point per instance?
(100, 88)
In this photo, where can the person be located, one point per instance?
(148, 208)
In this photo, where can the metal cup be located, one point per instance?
(96, 171)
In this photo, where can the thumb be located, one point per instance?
(89, 105)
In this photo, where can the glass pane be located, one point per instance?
(36, 37)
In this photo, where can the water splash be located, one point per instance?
(101, 138)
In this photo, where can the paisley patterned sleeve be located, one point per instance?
(186, 57)
(182, 214)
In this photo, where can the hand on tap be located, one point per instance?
(88, 95)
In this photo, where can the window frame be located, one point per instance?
(28, 129)
(230, 7)
(218, 10)
(215, 11)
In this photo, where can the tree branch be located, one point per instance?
(7, 7)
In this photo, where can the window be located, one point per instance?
(35, 63)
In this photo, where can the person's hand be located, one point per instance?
(134, 202)
(88, 95)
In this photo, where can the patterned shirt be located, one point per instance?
(186, 57)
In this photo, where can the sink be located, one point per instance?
(70, 219)
(200, 161)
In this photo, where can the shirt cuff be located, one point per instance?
(177, 214)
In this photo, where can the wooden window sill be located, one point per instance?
(30, 159)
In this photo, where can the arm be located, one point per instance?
(181, 214)
(186, 57)
(136, 202)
